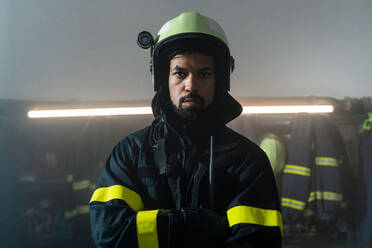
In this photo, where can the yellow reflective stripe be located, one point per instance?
(292, 203)
(326, 161)
(81, 185)
(325, 195)
(296, 169)
(120, 192)
(257, 216)
(147, 233)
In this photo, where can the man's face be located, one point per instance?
(191, 81)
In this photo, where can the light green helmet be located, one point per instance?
(275, 151)
(189, 30)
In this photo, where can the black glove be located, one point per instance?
(192, 228)
(204, 224)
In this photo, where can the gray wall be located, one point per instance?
(86, 49)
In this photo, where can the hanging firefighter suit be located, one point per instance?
(187, 184)
(361, 236)
(311, 177)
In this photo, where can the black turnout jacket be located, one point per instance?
(156, 189)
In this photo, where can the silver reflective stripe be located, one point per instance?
(297, 169)
(325, 195)
(292, 203)
(326, 161)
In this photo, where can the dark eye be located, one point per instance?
(180, 74)
(204, 74)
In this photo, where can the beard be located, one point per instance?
(191, 113)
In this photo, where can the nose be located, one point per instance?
(191, 83)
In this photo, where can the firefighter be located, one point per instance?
(187, 180)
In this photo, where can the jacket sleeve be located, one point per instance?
(254, 214)
(119, 216)
(116, 202)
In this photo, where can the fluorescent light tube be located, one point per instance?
(287, 109)
(58, 113)
(63, 113)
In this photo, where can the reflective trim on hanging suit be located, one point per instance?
(326, 161)
(297, 169)
(325, 195)
(78, 210)
(292, 203)
(83, 184)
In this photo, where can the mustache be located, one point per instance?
(191, 95)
